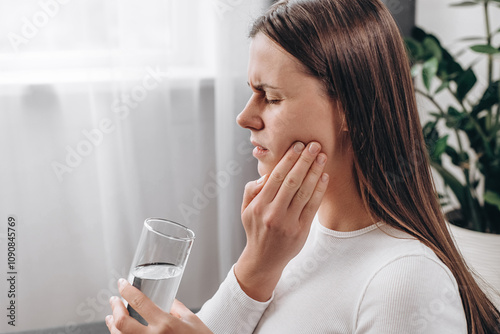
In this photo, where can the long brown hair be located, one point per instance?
(356, 49)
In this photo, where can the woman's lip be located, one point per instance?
(254, 143)
(259, 151)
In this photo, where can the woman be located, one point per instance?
(336, 129)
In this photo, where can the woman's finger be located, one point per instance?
(111, 326)
(306, 190)
(139, 302)
(292, 185)
(121, 320)
(252, 189)
(312, 206)
(277, 176)
(111, 323)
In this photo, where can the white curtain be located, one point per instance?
(111, 112)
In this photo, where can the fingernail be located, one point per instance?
(314, 148)
(259, 181)
(122, 282)
(298, 147)
(321, 159)
(108, 318)
(324, 177)
(112, 299)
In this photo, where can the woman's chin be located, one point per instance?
(263, 169)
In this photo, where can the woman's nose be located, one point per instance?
(249, 117)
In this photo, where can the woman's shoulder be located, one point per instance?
(397, 244)
(416, 292)
(381, 249)
(395, 253)
(410, 282)
(406, 268)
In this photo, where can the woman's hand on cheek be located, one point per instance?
(181, 319)
(277, 212)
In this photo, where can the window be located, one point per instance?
(59, 40)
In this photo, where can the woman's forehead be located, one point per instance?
(268, 55)
(269, 64)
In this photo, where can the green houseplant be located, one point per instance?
(473, 122)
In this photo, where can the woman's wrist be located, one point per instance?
(256, 281)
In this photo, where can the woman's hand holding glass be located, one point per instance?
(277, 213)
(179, 320)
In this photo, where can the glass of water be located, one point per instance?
(159, 262)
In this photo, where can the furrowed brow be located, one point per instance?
(263, 86)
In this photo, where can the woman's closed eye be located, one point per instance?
(268, 100)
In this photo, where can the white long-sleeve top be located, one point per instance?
(363, 281)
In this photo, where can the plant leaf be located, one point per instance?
(438, 148)
(472, 38)
(443, 199)
(492, 198)
(455, 185)
(489, 99)
(448, 67)
(455, 119)
(414, 48)
(418, 34)
(485, 48)
(463, 4)
(456, 158)
(452, 153)
(429, 71)
(415, 71)
(465, 82)
(431, 135)
(432, 48)
(444, 85)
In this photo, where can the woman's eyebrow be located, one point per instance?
(263, 86)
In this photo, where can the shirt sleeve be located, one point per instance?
(231, 310)
(412, 294)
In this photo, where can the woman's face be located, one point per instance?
(287, 106)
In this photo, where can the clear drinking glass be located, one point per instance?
(159, 262)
